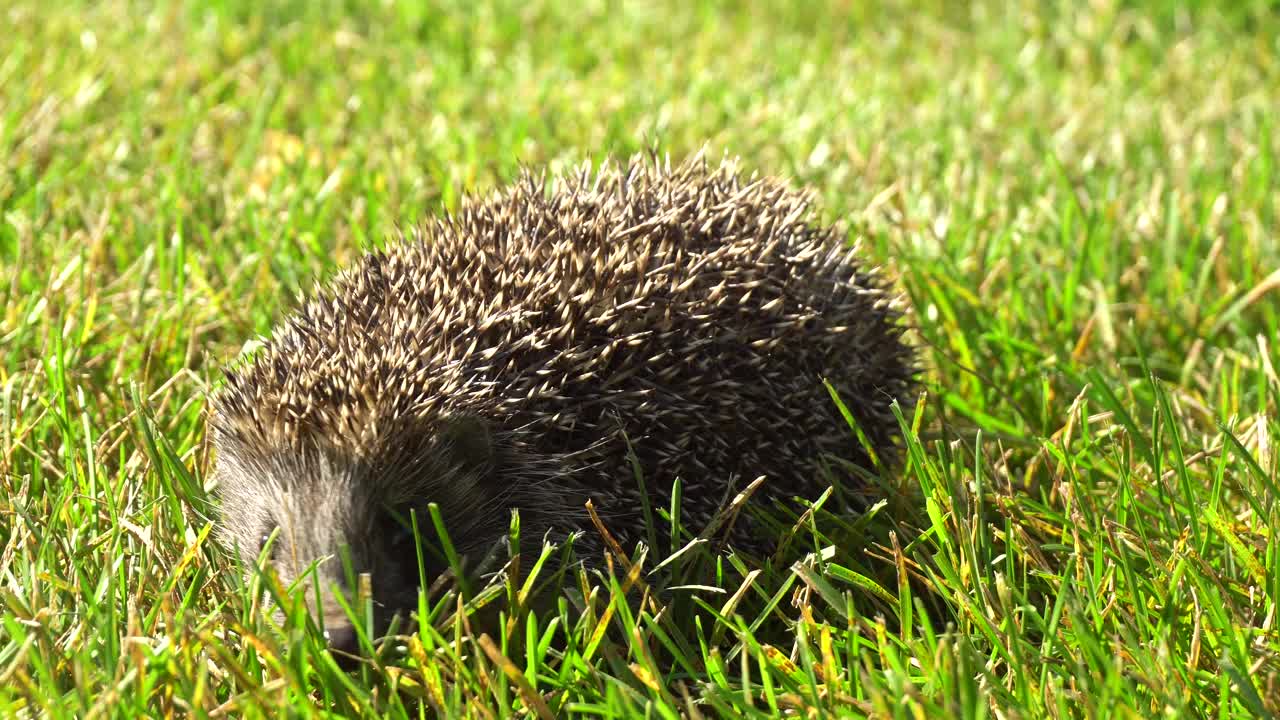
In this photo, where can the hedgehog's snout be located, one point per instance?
(339, 632)
(341, 636)
(322, 525)
(331, 582)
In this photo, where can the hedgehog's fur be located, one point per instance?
(512, 356)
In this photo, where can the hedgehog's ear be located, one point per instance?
(468, 441)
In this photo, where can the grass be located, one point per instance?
(1080, 200)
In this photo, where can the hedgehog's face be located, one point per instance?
(321, 519)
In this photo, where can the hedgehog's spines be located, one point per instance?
(700, 305)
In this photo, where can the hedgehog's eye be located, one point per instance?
(269, 537)
(403, 544)
(399, 530)
(404, 537)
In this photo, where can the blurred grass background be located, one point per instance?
(1079, 199)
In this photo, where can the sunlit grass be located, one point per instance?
(1079, 199)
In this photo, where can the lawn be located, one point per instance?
(1078, 200)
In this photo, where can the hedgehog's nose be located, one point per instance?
(341, 636)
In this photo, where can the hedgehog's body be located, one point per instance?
(513, 356)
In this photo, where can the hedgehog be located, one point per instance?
(589, 338)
